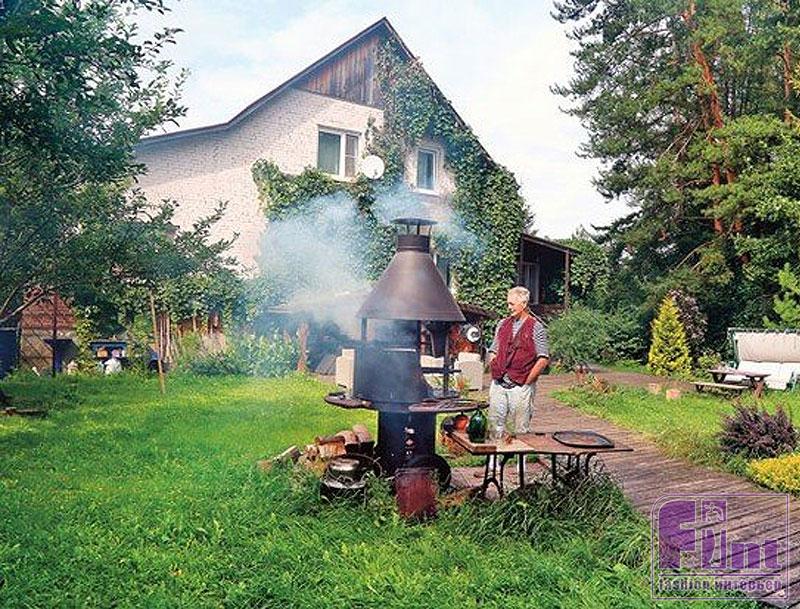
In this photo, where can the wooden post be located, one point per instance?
(566, 282)
(55, 331)
(157, 338)
(302, 337)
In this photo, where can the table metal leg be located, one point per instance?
(491, 479)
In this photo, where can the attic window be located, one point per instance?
(337, 153)
(426, 170)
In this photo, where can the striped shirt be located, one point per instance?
(539, 337)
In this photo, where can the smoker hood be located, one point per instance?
(411, 287)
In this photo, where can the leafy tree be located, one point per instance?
(691, 108)
(77, 91)
(669, 351)
(693, 321)
(787, 305)
(590, 271)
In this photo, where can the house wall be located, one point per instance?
(197, 170)
(200, 169)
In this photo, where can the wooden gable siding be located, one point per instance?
(350, 75)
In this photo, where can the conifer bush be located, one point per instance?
(669, 349)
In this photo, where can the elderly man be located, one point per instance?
(518, 355)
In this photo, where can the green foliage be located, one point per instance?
(486, 199)
(78, 87)
(707, 159)
(247, 355)
(163, 507)
(787, 304)
(582, 335)
(590, 272)
(669, 351)
(781, 474)
(577, 336)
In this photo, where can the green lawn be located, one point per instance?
(685, 428)
(122, 499)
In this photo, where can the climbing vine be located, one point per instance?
(486, 201)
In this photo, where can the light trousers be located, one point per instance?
(510, 410)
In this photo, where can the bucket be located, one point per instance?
(415, 492)
(8, 350)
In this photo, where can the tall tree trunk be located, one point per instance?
(711, 108)
(787, 60)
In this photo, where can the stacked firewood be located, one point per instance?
(355, 440)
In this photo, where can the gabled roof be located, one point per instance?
(382, 26)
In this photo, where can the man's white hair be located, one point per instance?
(520, 293)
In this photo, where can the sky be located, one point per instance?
(495, 61)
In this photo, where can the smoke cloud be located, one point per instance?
(316, 252)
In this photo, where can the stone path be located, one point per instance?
(648, 474)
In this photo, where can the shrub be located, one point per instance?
(267, 356)
(669, 351)
(625, 336)
(780, 474)
(578, 335)
(582, 335)
(694, 322)
(705, 362)
(755, 434)
(250, 355)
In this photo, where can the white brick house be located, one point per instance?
(318, 118)
(301, 123)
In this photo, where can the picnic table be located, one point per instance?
(754, 380)
(540, 443)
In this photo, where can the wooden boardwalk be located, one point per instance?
(648, 474)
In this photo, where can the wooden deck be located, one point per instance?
(647, 474)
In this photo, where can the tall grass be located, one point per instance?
(123, 499)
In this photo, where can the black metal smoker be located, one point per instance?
(408, 300)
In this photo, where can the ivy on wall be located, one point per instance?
(486, 199)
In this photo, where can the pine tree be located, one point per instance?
(692, 111)
(669, 351)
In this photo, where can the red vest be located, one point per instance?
(515, 354)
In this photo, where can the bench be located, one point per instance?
(701, 386)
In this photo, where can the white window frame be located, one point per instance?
(342, 151)
(435, 155)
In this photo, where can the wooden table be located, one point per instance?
(578, 458)
(754, 380)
